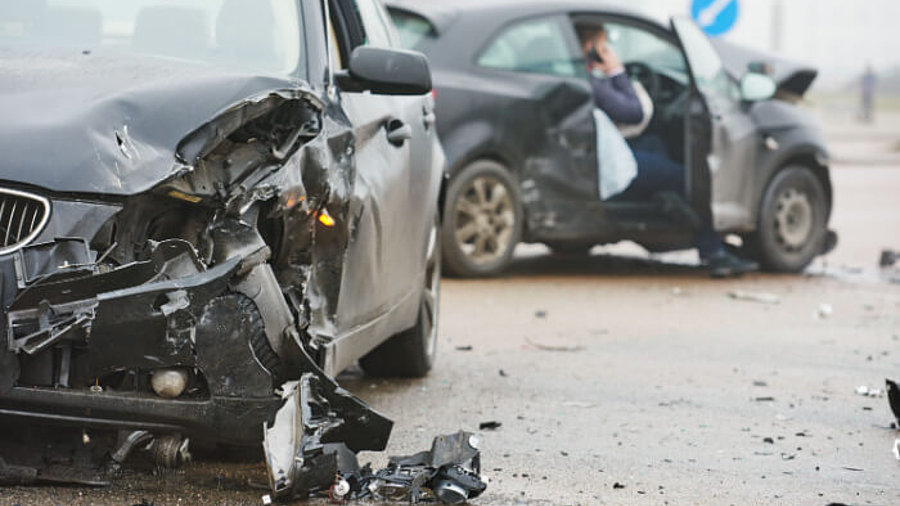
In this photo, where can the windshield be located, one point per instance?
(258, 35)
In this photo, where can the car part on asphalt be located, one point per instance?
(893, 395)
(309, 454)
(888, 258)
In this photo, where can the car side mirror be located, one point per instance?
(757, 87)
(386, 72)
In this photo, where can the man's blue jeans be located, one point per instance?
(657, 174)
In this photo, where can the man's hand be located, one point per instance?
(611, 65)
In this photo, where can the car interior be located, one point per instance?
(658, 65)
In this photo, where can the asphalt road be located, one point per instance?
(642, 372)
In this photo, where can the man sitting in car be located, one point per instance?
(655, 177)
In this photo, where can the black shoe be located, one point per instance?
(726, 265)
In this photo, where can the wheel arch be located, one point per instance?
(810, 156)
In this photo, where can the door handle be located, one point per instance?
(398, 132)
(429, 119)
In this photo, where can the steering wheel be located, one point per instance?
(646, 76)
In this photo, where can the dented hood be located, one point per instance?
(790, 76)
(106, 123)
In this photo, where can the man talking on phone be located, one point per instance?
(657, 177)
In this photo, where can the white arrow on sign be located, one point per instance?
(709, 15)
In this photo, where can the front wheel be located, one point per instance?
(410, 354)
(482, 220)
(793, 220)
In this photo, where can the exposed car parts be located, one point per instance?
(306, 456)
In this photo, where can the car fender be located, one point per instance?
(795, 147)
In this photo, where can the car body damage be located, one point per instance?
(188, 233)
(227, 247)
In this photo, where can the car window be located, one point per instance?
(263, 35)
(412, 28)
(706, 65)
(634, 44)
(536, 45)
(376, 24)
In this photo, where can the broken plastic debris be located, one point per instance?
(893, 395)
(889, 258)
(824, 311)
(578, 404)
(762, 298)
(555, 345)
(267, 499)
(492, 425)
(869, 392)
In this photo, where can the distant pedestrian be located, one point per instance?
(867, 86)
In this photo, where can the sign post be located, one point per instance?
(715, 17)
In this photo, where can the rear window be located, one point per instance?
(413, 29)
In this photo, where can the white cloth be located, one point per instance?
(616, 165)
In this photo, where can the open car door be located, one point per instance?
(721, 138)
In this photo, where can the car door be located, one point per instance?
(383, 261)
(722, 140)
(551, 116)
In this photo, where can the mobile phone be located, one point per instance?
(594, 55)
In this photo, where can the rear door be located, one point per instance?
(722, 140)
(553, 115)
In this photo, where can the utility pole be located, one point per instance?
(777, 26)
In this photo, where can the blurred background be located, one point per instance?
(839, 37)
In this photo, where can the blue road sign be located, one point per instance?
(715, 17)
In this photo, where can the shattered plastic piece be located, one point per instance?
(868, 392)
(762, 298)
(579, 404)
(889, 258)
(893, 395)
(267, 499)
(896, 449)
(555, 345)
(824, 311)
(492, 425)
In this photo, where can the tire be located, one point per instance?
(793, 220)
(410, 354)
(482, 221)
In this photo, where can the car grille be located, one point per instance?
(22, 217)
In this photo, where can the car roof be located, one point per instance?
(442, 14)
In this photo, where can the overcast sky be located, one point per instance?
(838, 36)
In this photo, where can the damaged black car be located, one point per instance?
(208, 209)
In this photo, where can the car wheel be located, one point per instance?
(793, 219)
(482, 221)
(410, 354)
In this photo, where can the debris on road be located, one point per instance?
(896, 449)
(618, 486)
(824, 311)
(764, 399)
(762, 298)
(540, 313)
(492, 425)
(889, 258)
(555, 345)
(579, 404)
(866, 391)
(464, 348)
(309, 445)
(893, 395)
